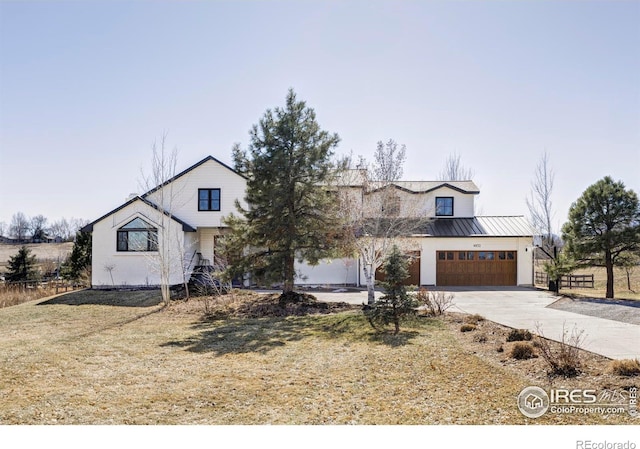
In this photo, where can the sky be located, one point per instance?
(87, 87)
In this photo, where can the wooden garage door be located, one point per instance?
(476, 268)
(414, 270)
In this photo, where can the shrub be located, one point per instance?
(500, 348)
(562, 358)
(435, 303)
(468, 327)
(519, 335)
(474, 319)
(522, 351)
(396, 304)
(480, 338)
(626, 367)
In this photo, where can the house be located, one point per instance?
(126, 240)
(451, 247)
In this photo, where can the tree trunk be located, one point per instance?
(371, 293)
(289, 273)
(609, 265)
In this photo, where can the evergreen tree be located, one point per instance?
(288, 165)
(604, 223)
(22, 266)
(396, 303)
(80, 258)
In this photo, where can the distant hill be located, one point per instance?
(42, 251)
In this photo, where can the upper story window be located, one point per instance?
(137, 235)
(391, 206)
(209, 199)
(444, 206)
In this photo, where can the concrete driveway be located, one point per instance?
(524, 308)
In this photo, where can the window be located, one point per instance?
(137, 235)
(462, 255)
(444, 206)
(482, 255)
(208, 199)
(392, 206)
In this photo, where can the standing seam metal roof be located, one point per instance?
(479, 227)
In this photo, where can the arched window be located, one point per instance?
(137, 235)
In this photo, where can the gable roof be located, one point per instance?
(193, 167)
(185, 226)
(416, 187)
(499, 226)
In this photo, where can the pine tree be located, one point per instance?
(396, 303)
(289, 215)
(604, 224)
(22, 266)
(80, 258)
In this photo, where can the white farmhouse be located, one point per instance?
(452, 248)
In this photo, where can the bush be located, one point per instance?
(522, 351)
(468, 327)
(435, 303)
(474, 319)
(396, 304)
(519, 335)
(626, 367)
(480, 338)
(563, 358)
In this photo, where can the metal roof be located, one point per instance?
(479, 227)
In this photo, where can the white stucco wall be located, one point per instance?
(209, 175)
(135, 268)
(328, 272)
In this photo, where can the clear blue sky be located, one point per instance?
(86, 87)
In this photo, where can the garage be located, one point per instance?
(476, 268)
(414, 270)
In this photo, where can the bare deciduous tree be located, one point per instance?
(540, 205)
(170, 255)
(372, 211)
(454, 170)
(60, 228)
(19, 226)
(37, 226)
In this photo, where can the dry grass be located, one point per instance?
(626, 367)
(14, 295)
(621, 288)
(118, 358)
(595, 374)
(42, 251)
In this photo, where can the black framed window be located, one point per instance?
(209, 199)
(136, 236)
(444, 206)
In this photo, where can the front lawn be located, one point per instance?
(88, 359)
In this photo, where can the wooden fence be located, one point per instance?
(59, 286)
(569, 281)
